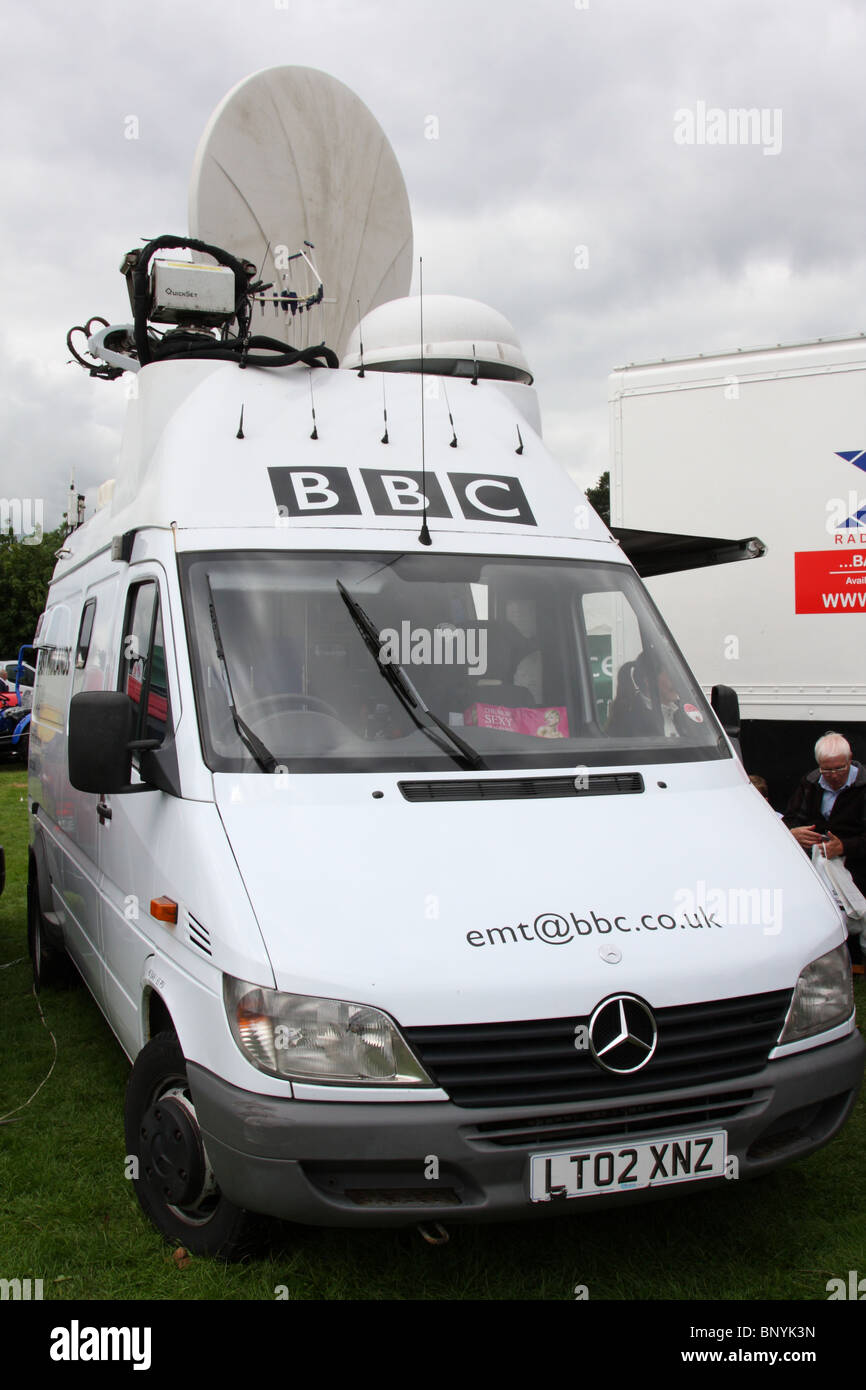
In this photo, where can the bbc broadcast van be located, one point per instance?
(369, 794)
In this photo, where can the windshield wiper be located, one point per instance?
(406, 692)
(263, 756)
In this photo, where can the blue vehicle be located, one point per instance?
(16, 698)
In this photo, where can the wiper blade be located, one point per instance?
(407, 693)
(263, 756)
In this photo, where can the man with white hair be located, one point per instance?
(829, 808)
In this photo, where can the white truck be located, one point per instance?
(769, 442)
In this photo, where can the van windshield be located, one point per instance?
(363, 662)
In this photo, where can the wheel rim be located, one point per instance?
(174, 1162)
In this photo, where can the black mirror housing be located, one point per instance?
(101, 725)
(726, 704)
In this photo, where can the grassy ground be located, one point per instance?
(68, 1216)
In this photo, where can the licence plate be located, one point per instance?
(627, 1167)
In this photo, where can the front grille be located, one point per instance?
(618, 1122)
(524, 788)
(534, 1062)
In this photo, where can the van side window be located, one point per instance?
(85, 634)
(143, 670)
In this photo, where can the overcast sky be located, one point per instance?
(558, 129)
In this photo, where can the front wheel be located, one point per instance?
(172, 1176)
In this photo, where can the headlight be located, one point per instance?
(823, 999)
(309, 1039)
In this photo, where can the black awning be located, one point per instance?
(662, 552)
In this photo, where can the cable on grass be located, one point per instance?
(4, 1119)
(9, 964)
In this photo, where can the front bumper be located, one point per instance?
(372, 1164)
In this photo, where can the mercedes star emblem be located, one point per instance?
(622, 1034)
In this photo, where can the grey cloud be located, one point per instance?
(555, 130)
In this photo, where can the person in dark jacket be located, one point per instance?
(829, 808)
(647, 702)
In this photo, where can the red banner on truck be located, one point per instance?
(830, 581)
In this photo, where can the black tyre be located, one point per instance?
(50, 963)
(171, 1173)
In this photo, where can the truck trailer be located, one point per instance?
(773, 442)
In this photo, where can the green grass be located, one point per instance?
(68, 1216)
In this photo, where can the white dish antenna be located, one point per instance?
(290, 162)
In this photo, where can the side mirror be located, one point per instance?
(726, 705)
(101, 726)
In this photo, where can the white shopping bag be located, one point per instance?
(838, 879)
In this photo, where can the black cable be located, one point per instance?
(277, 354)
(94, 368)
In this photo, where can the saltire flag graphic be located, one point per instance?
(857, 522)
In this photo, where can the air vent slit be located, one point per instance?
(523, 788)
(198, 935)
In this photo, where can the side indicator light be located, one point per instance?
(164, 910)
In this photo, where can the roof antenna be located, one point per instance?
(519, 449)
(240, 434)
(384, 439)
(360, 339)
(424, 534)
(474, 381)
(315, 433)
(453, 444)
(276, 297)
(259, 278)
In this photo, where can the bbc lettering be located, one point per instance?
(330, 492)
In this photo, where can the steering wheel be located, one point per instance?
(272, 704)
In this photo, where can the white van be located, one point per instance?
(377, 809)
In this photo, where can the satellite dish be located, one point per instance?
(294, 174)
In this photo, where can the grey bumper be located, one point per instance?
(393, 1164)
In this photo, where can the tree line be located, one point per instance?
(25, 571)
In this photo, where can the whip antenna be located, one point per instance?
(360, 339)
(315, 433)
(453, 444)
(424, 534)
(384, 439)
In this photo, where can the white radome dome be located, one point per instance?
(457, 333)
